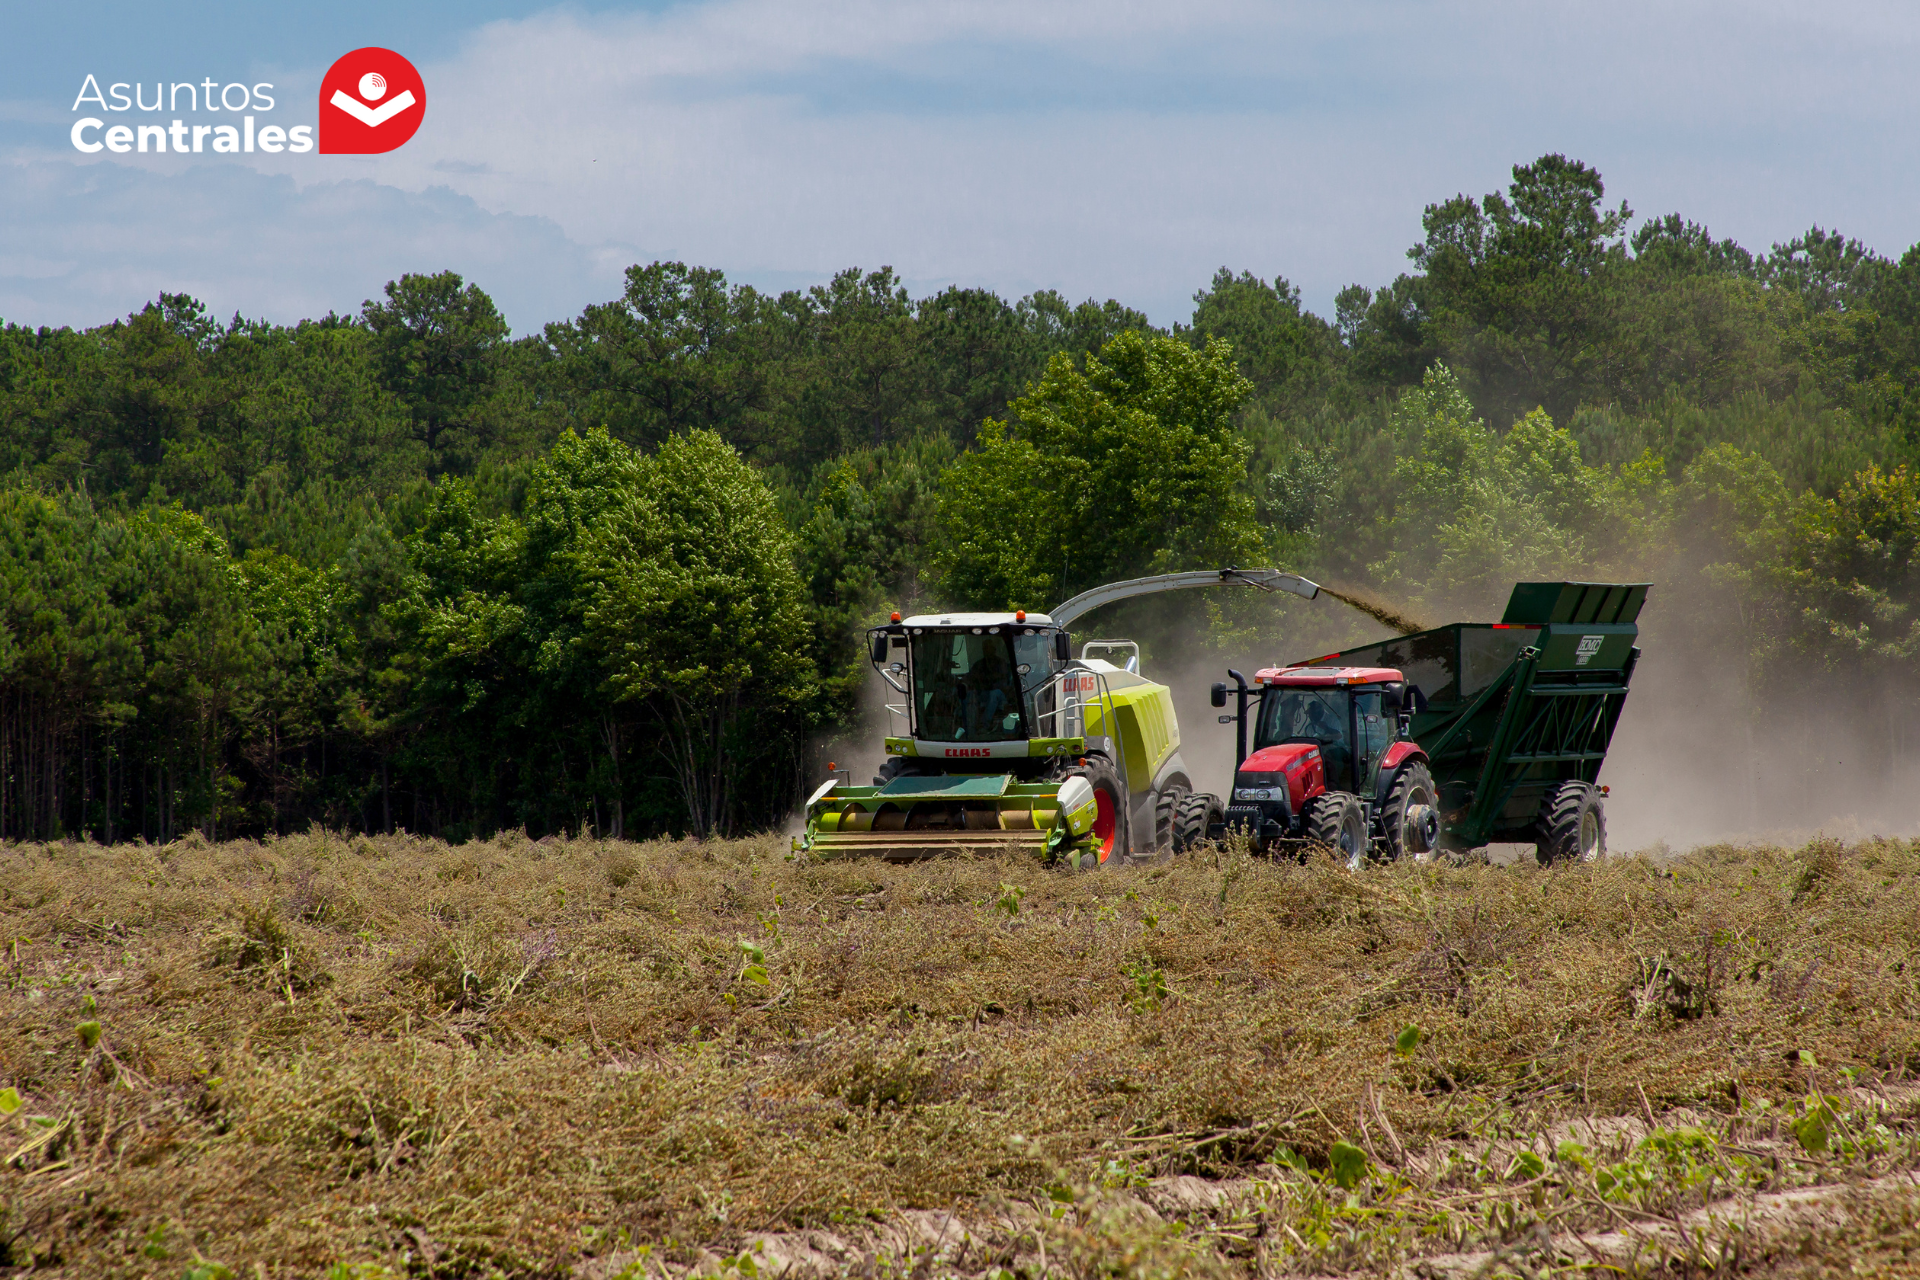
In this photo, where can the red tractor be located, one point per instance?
(1331, 763)
(1444, 739)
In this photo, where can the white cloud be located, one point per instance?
(760, 136)
(90, 242)
(1105, 149)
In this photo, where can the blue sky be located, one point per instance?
(1101, 149)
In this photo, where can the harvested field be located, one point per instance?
(353, 1057)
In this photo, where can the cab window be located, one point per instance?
(1376, 731)
(965, 688)
(1309, 715)
(1303, 715)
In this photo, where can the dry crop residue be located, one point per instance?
(1385, 615)
(529, 1059)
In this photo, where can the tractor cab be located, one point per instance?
(1316, 730)
(1351, 713)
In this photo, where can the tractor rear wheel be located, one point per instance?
(1193, 818)
(1336, 820)
(1410, 820)
(1572, 826)
(1106, 845)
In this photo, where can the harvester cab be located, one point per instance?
(1445, 739)
(1002, 737)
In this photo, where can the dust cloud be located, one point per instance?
(1699, 757)
(1703, 757)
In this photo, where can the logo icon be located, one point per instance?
(371, 100)
(1584, 651)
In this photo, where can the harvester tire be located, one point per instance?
(1336, 820)
(1572, 826)
(1166, 810)
(1106, 845)
(1410, 812)
(1193, 817)
(895, 767)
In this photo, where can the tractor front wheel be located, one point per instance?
(1572, 826)
(1193, 817)
(1106, 844)
(1337, 820)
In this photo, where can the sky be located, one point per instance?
(1105, 150)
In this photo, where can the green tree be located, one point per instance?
(435, 343)
(1476, 511)
(1286, 353)
(679, 351)
(1129, 467)
(1515, 284)
(979, 356)
(698, 610)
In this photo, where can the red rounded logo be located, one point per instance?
(371, 100)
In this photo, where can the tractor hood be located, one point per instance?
(1277, 759)
(1299, 767)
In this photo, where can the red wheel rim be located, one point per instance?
(1103, 824)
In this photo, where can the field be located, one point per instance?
(354, 1057)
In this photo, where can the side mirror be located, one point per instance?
(1063, 646)
(878, 648)
(1219, 695)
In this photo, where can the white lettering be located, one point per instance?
(300, 138)
(262, 100)
(226, 138)
(125, 103)
(272, 137)
(159, 96)
(155, 132)
(200, 131)
(193, 97)
(80, 126)
(90, 83)
(120, 139)
(179, 131)
(245, 97)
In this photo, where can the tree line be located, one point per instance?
(401, 569)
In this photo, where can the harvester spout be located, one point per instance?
(1264, 579)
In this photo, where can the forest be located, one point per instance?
(400, 569)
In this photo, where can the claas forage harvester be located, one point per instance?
(1003, 737)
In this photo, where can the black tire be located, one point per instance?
(896, 766)
(1412, 788)
(1572, 826)
(1106, 845)
(1336, 820)
(1165, 806)
(1193, 817)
